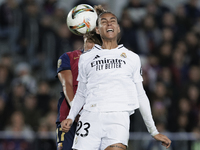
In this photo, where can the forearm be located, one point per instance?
(145, 110)
(66, 80)
(69, 93)
(78, 101)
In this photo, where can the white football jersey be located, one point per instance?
(110, 77)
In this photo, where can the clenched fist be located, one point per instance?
(66, 125)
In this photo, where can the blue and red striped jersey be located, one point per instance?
(67, 61)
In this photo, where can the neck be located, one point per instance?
(109, 44)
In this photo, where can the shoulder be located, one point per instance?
(64, 56)
(131, 56)
(89, 54)
(75, 53)
(129, 52)
(72, 54)
(91, 51)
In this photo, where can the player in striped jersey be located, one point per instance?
(67, 71)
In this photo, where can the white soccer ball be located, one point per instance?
(81, 19)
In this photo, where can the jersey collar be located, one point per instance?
(99, 47)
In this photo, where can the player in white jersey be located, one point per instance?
(110, 89)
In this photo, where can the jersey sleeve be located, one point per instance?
(137, 76)
(78, 101)
(63, 63)
(145, 110)
(81, 70)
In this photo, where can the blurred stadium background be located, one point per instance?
(33, 34)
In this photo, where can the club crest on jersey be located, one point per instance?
(59, 62)
(60, 146)
(123, 55)
(77, 56)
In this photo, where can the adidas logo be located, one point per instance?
(97, 56)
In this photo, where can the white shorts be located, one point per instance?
(98, 130)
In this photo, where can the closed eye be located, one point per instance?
(103, 21)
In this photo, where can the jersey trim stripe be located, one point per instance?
(97, 47)
(121, 47)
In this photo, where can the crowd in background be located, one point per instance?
(33, 35)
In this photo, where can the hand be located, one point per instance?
(164, 139)
(66, 125)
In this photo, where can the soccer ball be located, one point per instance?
(81, 19)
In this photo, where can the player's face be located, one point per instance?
(108, 27)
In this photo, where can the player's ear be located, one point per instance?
(97, 30)
(119, 30)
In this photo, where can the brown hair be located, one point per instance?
(94, 37)
(100, 11)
